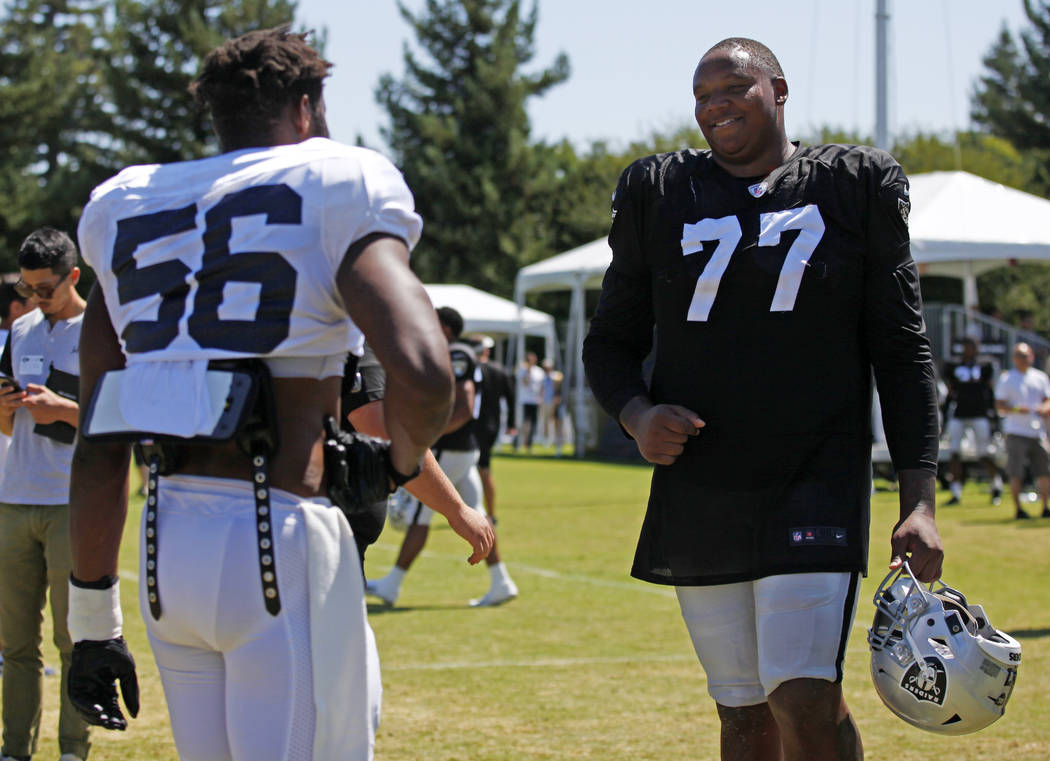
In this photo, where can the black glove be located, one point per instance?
(358, 468)
(96, 667)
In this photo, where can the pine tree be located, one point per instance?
(1012, 99)
(460, 134)
(155, 51)
(52, 146)
(89, 86)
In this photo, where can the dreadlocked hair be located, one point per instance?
(248, 81)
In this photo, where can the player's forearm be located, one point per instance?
(415, 418)
(917, 492)
(98, 506)
(7, 424)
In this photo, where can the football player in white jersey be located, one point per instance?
(289, 248)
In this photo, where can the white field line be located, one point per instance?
(547, 573)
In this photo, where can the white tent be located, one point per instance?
(960, 224)
(494, 316)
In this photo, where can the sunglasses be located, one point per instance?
(45, 292)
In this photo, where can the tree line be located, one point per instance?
(90, 86)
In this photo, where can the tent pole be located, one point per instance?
(580, 423)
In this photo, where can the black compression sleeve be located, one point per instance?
(619, 339)
(894, 328)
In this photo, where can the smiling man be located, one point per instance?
(777, 277)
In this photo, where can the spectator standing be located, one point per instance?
(551, 409)
(530, 395)
(1022, 397)
(971, 406)
(41, 354)
(497, 391)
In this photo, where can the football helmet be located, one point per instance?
(936, 660)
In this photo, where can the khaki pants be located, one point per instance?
(34, 555)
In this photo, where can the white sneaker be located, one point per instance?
(499, 593)
(69, 757)
(384, 590)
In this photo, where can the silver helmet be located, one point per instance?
(936, 660)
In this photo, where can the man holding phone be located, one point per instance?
(39, 410)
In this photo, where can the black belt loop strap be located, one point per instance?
(152, 590)
(264, 531)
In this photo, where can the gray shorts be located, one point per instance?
(1027, 451)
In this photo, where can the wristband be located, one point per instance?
(396, 477)
(94, 614)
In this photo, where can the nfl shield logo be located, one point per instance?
(758, 189)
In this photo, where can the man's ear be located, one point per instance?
(303, 117)
(780, 90)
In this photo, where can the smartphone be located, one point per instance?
(9, 382)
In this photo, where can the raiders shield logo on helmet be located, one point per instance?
(926, 680)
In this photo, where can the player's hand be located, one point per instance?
(475, 528)
(45, 405)
(660, 430)
(916, 536)
(93, 674)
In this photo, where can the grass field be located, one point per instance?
(590, 664)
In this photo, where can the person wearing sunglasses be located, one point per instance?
(40, 371)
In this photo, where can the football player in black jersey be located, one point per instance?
(777, 278)
(971, 405)
(457, 454)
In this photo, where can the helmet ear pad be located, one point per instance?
(936, 661)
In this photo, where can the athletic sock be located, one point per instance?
(498, 573)
(997, 483)
(396, 576)
(956, 489)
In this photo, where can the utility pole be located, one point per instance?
(882, 23)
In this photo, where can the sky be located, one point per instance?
(632, 63)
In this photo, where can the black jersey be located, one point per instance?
(773, 299)
(464, 367)
(496, 384)
(970, 393)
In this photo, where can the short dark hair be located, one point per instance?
(451, 319)
(48, 248)
(761, 55)
(247, 81)
(8, 295)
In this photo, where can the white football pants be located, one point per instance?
(242, 684)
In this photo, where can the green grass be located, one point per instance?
(590, 664)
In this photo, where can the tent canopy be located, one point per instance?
(486, 313)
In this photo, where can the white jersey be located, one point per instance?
(236, 255)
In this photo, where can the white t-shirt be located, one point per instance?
(530, 384)
(1029, 390)
(36, 468)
